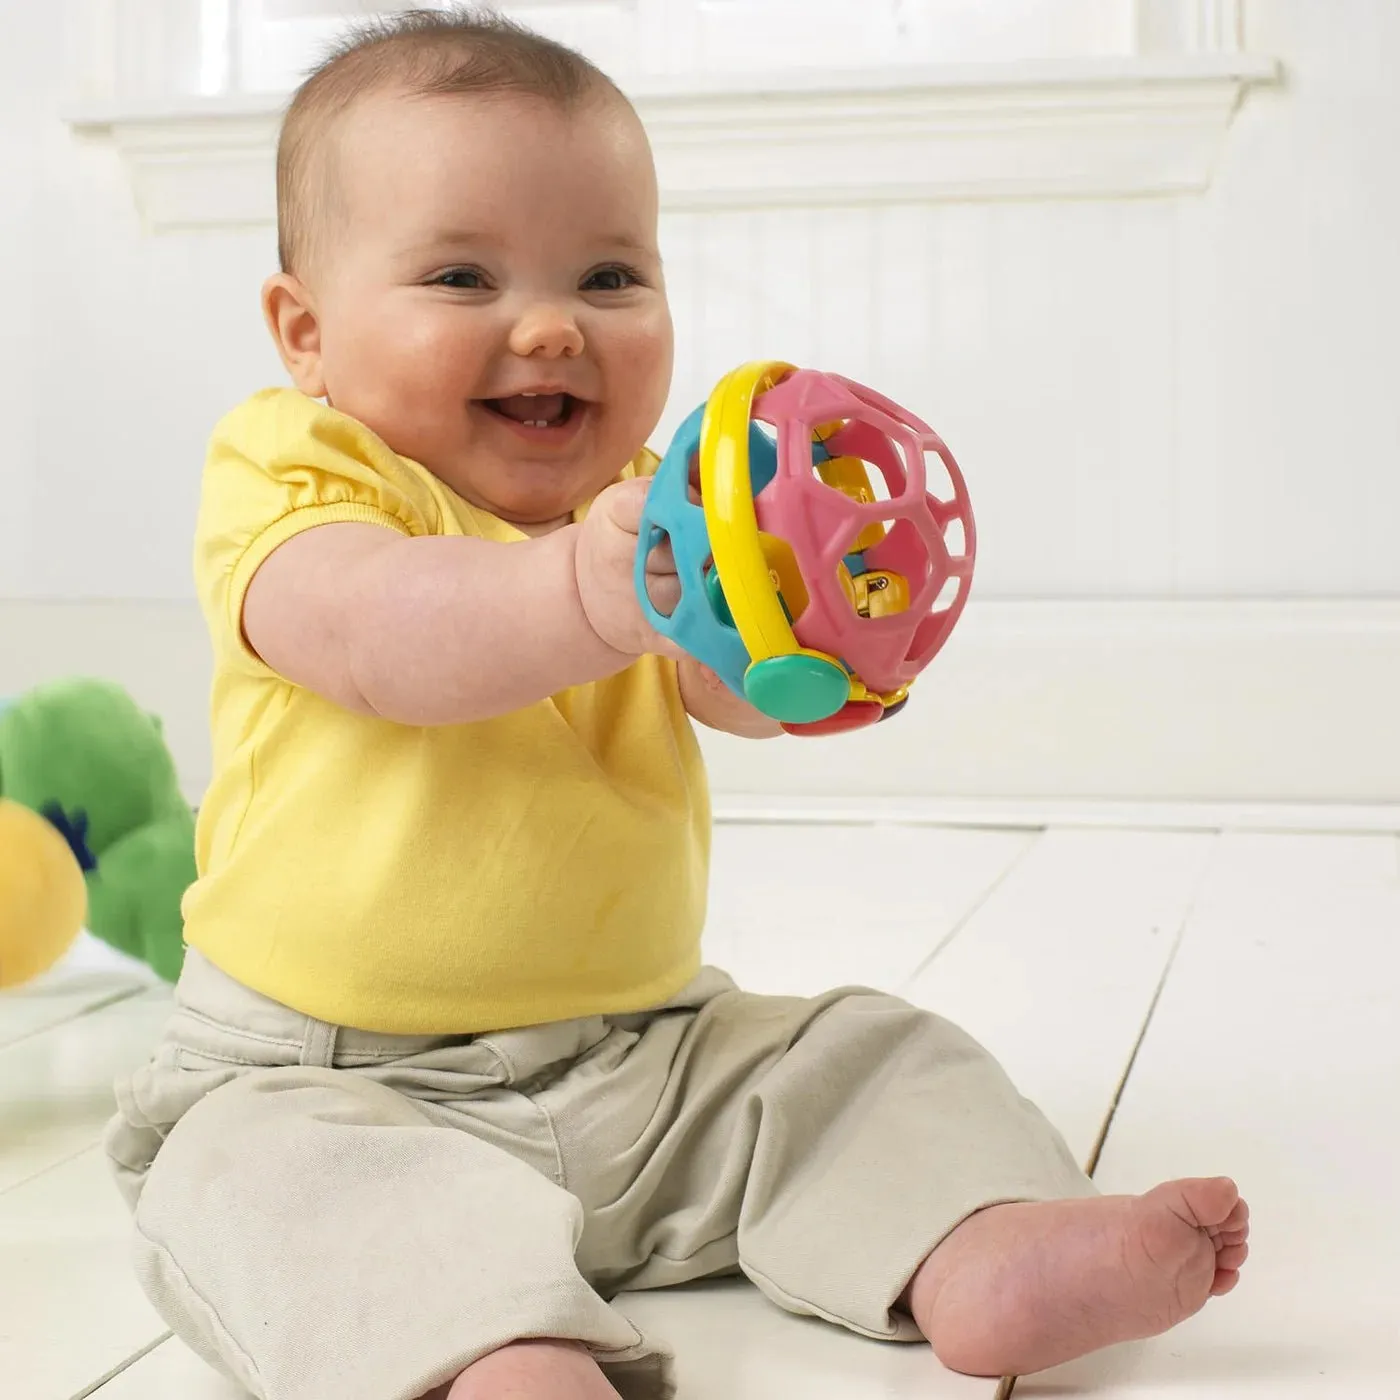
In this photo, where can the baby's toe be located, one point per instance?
(1208, 1202)
(1224, 1281)
(1202, 1203)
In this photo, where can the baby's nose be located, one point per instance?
(547, 330)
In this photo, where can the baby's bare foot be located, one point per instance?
(542, 1370)
(1017, 1288)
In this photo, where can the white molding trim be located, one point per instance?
(1024, 814)
(1034, 709)
(1121, 127)
(1197, 702)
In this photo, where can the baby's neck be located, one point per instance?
(534, 531)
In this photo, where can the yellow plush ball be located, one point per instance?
(43, 900)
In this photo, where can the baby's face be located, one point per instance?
(481, 250)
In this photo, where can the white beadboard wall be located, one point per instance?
(1003, 324)
(1177, 416)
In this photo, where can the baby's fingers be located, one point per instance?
(662, 559)
(664, 590)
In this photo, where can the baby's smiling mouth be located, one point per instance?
(536, 410)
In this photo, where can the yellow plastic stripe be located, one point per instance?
(726, 490)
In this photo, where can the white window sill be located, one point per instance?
(1102, 128)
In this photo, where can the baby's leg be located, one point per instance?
(1019, 1287)
(884, 1173)
(312, 1232)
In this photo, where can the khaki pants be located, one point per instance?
(327, 1212)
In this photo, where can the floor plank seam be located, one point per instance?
(1097, 1151)
(123, 1366)
(1187, 915)
(1007, 1386)
(971, 912)
(44, 1171)
(115, 999)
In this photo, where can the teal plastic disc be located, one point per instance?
(719, 604)
(797, 689)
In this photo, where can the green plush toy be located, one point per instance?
(86, 756)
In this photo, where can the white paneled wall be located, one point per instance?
(1188, 397)
(1037, 338)
(22, 100)
(1152, 398)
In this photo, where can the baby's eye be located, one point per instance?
(468, 279)
(616, 278)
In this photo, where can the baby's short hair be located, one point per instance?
(457, 50)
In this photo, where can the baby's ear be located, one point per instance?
(291, 317)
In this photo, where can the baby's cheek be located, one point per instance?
(645, 360)
(444, 355)
(410, 402)
(430, 387)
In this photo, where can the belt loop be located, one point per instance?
(318, 1044)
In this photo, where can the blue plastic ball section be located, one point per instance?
(701, 623)
(695, 625)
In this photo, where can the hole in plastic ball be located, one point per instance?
(663, 585)
(937, 478)
(947, 595)
(714, 596)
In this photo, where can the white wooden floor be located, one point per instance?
(1178, 1001)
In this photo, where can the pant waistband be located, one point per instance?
(268, 1032)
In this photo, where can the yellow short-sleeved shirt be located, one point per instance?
(546, 864)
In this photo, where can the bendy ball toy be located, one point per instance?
(43, 899)
(819, 575)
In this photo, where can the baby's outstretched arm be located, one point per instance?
(447, 630)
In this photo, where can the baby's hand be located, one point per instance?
(607, 552)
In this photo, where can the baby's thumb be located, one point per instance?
(625, 502)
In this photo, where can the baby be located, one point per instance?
(445, 1073)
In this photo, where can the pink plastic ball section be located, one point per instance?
(822, 524)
